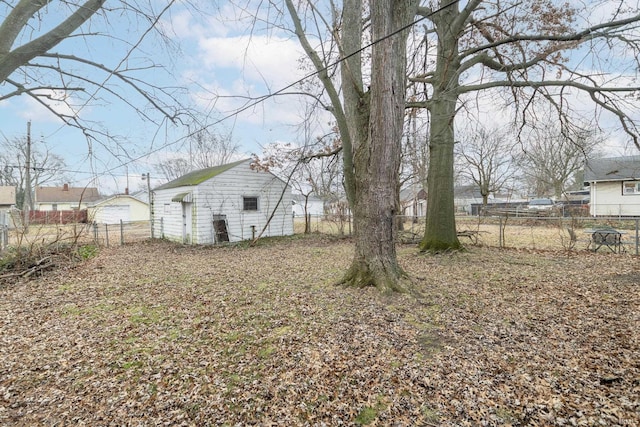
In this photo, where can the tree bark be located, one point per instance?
(440, 230)
(376, 156)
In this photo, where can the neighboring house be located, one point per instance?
(315, 206)
(227, 203)
(7, 197)
(413, 201)
(64, 198)
(121, 207)
(466, 196)
(614, 186)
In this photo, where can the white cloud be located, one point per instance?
(57, 100)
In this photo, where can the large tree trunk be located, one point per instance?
(440, 231)
(376, 158)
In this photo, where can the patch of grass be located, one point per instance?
(266, 352)
(145, 315)
(87, 251)
(430, 415)
(133, 364)
(71, 310)
(366, 416)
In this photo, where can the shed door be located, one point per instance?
(187, 226)
(220, 228)
(115, 213)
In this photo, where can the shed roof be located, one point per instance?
(67, 194)
(612, 169)
(7, 195)
(199, 176)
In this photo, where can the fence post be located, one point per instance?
(95, 233)
(106, 233)
(121, 233)
(637, 240)
(4, 240)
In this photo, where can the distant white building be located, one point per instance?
(614, 186)
(314, 205)
(121, 207)
(227, 203)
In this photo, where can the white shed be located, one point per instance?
(227, 203)
(121, 207)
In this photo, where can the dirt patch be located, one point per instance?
(156, 333)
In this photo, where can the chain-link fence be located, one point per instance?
(77, 233)
(505, 230)
(530, 232)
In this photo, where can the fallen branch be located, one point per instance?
(40, 265)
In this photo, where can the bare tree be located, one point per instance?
(205, 149)
(486, 160)
(520, 52)
(35, 63)
(551, 159)
(46, 167)
(173, 168)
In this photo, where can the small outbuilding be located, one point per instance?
(7, 197)
(121, 207)
(227, 203)
(614, 186)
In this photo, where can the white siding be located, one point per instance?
(123, 207)
(167, 215)
(607, 200)
(314, 207)
(223, 195)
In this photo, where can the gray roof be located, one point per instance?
(612, 169)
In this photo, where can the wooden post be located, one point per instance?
(637, 231)
(121, 233)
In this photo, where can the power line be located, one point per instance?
(259, 99)
(263, 98)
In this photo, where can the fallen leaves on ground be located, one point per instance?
(162, 334)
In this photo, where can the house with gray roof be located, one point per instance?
(614, 186)
(227, 203)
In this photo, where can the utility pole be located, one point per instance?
(26, 203)
(147, 177)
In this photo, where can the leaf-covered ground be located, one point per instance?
(159, 334)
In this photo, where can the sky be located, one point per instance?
(207, 55)
(220, 52)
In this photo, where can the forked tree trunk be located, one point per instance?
(376, 158)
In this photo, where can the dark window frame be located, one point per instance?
(250, 203)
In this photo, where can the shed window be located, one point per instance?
(631, 187)
(250, 203)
